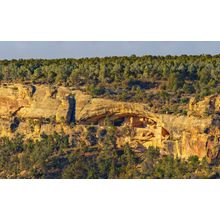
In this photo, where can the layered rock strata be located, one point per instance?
(36, 109)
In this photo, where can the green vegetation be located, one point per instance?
(54, 157)
(165, 83)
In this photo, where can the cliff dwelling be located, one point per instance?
(76, 108)
(33, 113)
(145, 130)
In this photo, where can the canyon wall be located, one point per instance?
(33, 110)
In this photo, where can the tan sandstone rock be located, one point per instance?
(36, 109)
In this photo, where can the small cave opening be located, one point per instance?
(14, 125)
(33, 90)
(119, 121)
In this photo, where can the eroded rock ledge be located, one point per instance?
(36, 109)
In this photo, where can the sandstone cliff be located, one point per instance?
(35, 102)
(209, 105)
(36, 109)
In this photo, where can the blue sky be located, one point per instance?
(77, 49)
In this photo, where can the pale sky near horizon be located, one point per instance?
(78, 49)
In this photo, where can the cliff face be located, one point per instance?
(37, 109)
(210, 105)
(34, 102)
(188, 135)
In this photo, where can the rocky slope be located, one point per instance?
(36, 109)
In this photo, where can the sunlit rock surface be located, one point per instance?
(33, 110)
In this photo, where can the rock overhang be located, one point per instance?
(184, 135)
